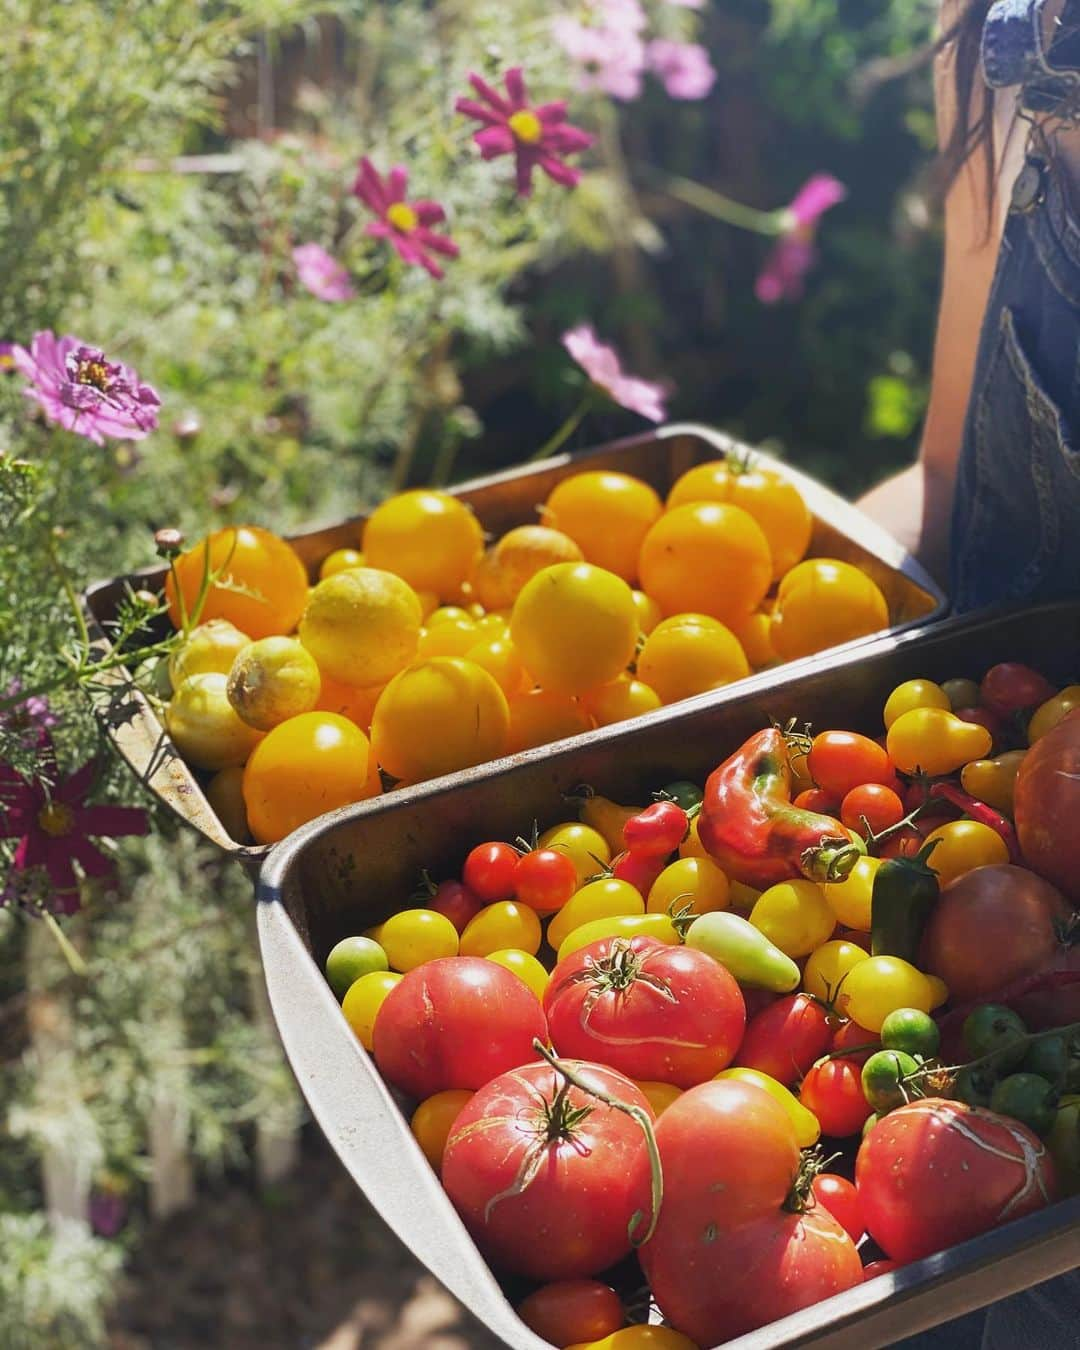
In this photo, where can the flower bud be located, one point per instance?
(169, 542)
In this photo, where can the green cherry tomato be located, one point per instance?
(1027, 1098)
(911, 1030)
(993, 1029)
(1056, 1058)
(684, 793)
(883, 1076)
(961, 693)
(351, 958)
(975, 1086)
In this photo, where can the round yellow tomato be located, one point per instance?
(878, 986)
(697, 883)
(754, 635)
(433, 1120)
(807, 1129)
(260, 584)
(793, 915)
(540, 716)
(362, 1002)
(822, 602)
(520, 554)
(604, 899)
(657, 926)
(499, 657)
(501, 926)
(585, 846)
(690, 654)
(356, 702)
(850, 899)
(606, 514)
(935, 742)
(641, 1337)
(362, 626)
(649, 612)
(660, 1095)
(430, 539)
(574, 626)
(452, 637)
(707, 558)
(525, 966)
(914, 694)
(225, 793)
(963, 845)
(272, 680)
(340, 561)
(413, 936)
(439, 716)
(204, 726)
(826, 967)
(624, 697)
(207, 650)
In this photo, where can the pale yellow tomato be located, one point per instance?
(793, 915)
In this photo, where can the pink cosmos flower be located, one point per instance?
(683, 68)
(784, 273)
(601, 364)
(611, 59)
(53, 833)
(77, 387)
(537, 137)
(29, 721)
(321, 274)
(405, 225)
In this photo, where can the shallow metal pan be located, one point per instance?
(354, 867)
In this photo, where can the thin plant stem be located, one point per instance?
(563, 434)
(71, 956)
(715, 204)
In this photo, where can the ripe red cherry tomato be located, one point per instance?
(572, 1312)
(639, 869)
(490, 871)
(546, 879)
(833, 1091)
(817, 799)
(880, 806)
(454, 900)
(983, 717)
(656, 831)
(850, 1036)
(841, 1199)
(841, 760)
(1010, 687)
(786, 1038)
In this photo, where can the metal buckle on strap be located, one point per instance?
(1029, 190)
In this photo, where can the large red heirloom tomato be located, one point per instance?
(551, 1182)
(655, 1012)
(1047, 806)
(727, 1255)
(935, 1172)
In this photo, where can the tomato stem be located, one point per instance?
(1029, 1038)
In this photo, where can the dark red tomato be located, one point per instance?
(786, 1038)
(851, 1036)
(656, 831)
(550, 1185)
(730, 1156)
(903, 844)
(873, 1269)
(818, 800)
(1011, 687)
(841, 1199)
(842, 760)
(572, 1312)
(546, 879)
(490, 871)
(757, 1000)
(933, 1173)
(982, 717)
(833, 1091)
(1047, 806)
(639, 869)
(455, 1023)
(916, 797)
(871, 804)
(656, 1013)
(456, 902)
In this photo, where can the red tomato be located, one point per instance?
(879, 806)
(639, 869)
(546, 879)
(982, 717)
(849, 1036)
(841, 1199)
(656, 831)
(454, 900)
(818, 800)
(934, 1173)
(1047, 806)
(569, 1312)
(656, 1013)
(455, 1023)
(833, 1091)
(727, 1257)
(903, 844)
(841, 760)
(1011, 687)
(490, 871)
(549, 1184)
(786, 1038)
(873, 1269)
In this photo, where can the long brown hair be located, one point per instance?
(972, 132)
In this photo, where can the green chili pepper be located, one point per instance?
(905, 891)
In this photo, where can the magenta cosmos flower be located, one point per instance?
(783, 276)
(321, 274)
(77, 387)
(539, 137)
(405, 225)
(683, 68)
(609, 54)
(53, 833)
(601, 363)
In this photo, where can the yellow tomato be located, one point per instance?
(520, 554)
(429, 602)
(525, 966)
(540, 716)
(754, 635)
(742, 897)
(361, 626)
(429, 538)
(604, 899)
(1050, 713)
(706, 558)
(993, 780)
(362, 1002)
(935, 742)
(697, 883)
(225, 793)
(574, 626)
(939, 991)
(660, 1095)
(649, 612)
(963, 845)
(585, 846)
(353, 701)
(793, 915)
(449, 614)
(204, 726)
(827, 967)
(259, 583)
(413, 936)
(624, 697)
(340, 561)
(691, 846)
(433, 1120)
(642, 1337)
(498, 656)
(209, 649)
(454, 637)
(914, 694)
(439, 716)
(823, 602)
(878, 986)
(501, 926)
(689, 654)
(657, 926)
(606, 514)
(272, 680)
(850, 899)
(807, 1129)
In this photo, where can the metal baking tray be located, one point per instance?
(353, 868)
(501, 502)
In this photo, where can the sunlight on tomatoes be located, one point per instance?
(709, 558)
(826, 967)
(262, 586)
(362, 1002)
(697, 883)
(850, 899)
(413, 936)
(566, 1311)
(541, 716)
(603, 899)
(362, 626)
(606, 514)
(499, 926)
(204, 725)
(430, 539)
(823, 602)
(624, 697)
(525, 966)
(963, 845)
(689, 654)
(433, 1120)
(878, 986)
(793, 915)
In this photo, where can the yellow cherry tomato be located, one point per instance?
(433, 1120)
(207, 650)
(205, 727)
(604, 899)
(878, 986)
(448, 614)
(826, 968)
(501, 926)
(793, 915)
(499, 658)
(414, 936)
(753, 632)
(657, 926)
(690, 654)
(584, 845)
(452, 637)
(525, 966)
(939, 991)
(608, 817)
(356, 702)
(963, 845)
(649, 612)
(850, 899)
(362, 1001)
(660, 1095)
(340, 561)
(519, 555)
(691, 846)
(706, 558)
(1047, 715)
(540, 716)
(695, 883)
(225, 793)
(935, 741)
(430, 539)
(821, 603)
(993, 781)
(429, 603)
(624, 697)
(260, 585)
(807, 1129)
(606, 514)
(914, 694)
(642, 1337)
(742, 897)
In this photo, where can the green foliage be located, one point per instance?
(54, 1284)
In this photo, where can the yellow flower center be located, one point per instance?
(56, 819)
(402, 217)
(526, 126)
(95, 373)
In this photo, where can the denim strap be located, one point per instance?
(1014, 53)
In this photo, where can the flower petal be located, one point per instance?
(397, 180)
(112, 821)
(816, 196)
(490, 96)
(514, 79)
(470, 108)
(428, 212)
(495, 141)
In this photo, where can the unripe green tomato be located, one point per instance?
(351, 958)
(744, 950)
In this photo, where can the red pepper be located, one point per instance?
(985, 815)
(656, 831)
(749, 824)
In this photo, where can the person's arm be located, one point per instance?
(916, 505)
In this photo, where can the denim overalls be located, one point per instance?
(1016, 517)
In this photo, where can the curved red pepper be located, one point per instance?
(980, 811)
(749, 825)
